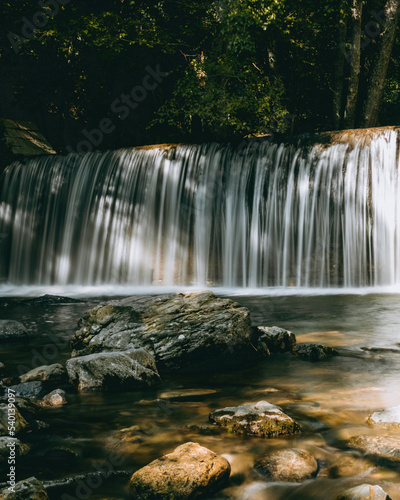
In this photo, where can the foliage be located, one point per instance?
(235, 67)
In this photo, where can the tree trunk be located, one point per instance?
(338, 76)
(354, 58)
(378, 76)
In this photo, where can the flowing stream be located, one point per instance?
(306, 235)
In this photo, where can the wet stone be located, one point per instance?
(364, 492)
(55, 398)
(386, 419)
(313, 352)
(54, 374)
(385, 447)
(11, 330)
(190, 471)
(294, 465)
(28, 489)
(258, 419)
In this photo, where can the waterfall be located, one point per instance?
(266, 214)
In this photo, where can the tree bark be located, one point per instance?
(338, 76)
(378, 76)
(354, 58)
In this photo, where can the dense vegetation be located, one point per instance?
(112, 73)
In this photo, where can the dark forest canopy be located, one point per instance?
(114, 73)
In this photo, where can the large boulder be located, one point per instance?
(28, 489)
(191, 471)
(113, 370)
(258, 419)
(364, 492)
(384, 447)
(11, 330)
(182, 330)
(387, 419)
(294, 465)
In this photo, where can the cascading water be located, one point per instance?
(264, 215)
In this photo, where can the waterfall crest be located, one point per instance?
(262, 215)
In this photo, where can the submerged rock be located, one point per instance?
(258, 419)
(49, 374)
(54, 398)
(387, 419)
(182, 330)
(364, 492)
(28, 489)
(288, 465)
(190, 471)
(276, 339)
(314, 352)
(11, 330)
(113, 370)
(385, 447)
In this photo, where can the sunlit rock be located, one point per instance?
(191, 471)
(385, 447)
(387, 419)
(364, 492)
(294, 465)
(259, 419)
(54, 398)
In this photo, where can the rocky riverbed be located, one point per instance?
(190, 395)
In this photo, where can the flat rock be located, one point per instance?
(54, 374)
(11, 330)
(258, 419)
(28, 489)
(386, 447)
(187, 393)
(18, 420)
(192, 331)
(190, 471)
(277, 340)
(113, 370)
(7, 443)
(294, 465)
(313, 352)
(54, 398)
(387, 419)
(364, 492)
